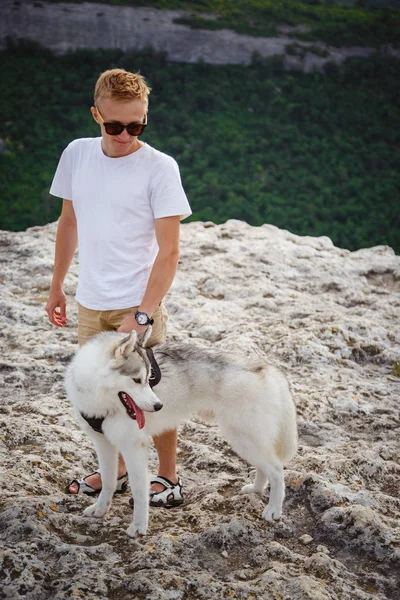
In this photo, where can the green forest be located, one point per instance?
(317, 153)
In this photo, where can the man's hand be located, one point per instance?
(129, 324)
(56, 308)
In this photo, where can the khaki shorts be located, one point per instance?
(91, 322)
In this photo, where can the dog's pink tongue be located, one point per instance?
(138, 412)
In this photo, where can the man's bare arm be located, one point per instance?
(66, 244)
(163, 271)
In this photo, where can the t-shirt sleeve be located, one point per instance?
(167, 196)
(62, 182)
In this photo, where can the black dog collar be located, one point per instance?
(94, 422)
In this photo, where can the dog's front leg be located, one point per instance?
(108, 464)
(136, 460)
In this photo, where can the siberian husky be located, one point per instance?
(109, 382)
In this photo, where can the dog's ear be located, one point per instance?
(126, 346)
(145, 336)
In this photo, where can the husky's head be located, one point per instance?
(130, 370)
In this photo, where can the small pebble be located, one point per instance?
(224, 554)
(305, 539)
(323, 549)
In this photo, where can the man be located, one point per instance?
(123, 202)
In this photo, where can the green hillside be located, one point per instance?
(318, 154)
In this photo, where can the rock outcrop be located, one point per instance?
(328, 317)
(69, 26)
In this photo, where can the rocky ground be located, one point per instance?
(327, 316)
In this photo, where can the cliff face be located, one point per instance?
(62, 27)
(328, 317)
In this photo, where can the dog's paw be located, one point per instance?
(249, 489)
(94, 511)
(271, 513)
(135, 530)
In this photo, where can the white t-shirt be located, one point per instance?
(116, 201)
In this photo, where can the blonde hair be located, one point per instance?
(119, 84)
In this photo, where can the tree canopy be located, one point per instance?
(317, 153)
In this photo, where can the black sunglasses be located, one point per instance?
(117, 128)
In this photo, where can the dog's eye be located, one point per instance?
(137, 380)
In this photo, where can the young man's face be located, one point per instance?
(114, 111)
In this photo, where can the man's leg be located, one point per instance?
(165, 443)
(91, 322)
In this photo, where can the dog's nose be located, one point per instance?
(158, 406)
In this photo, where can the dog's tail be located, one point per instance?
(286, 445)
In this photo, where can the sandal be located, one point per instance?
(170, 496)
(85, 488)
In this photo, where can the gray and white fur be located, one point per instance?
(249, 399)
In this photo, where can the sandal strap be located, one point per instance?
(167, 483)
(82, 485)
(85, 487)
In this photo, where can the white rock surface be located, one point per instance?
(329, 317)
(63, 27)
